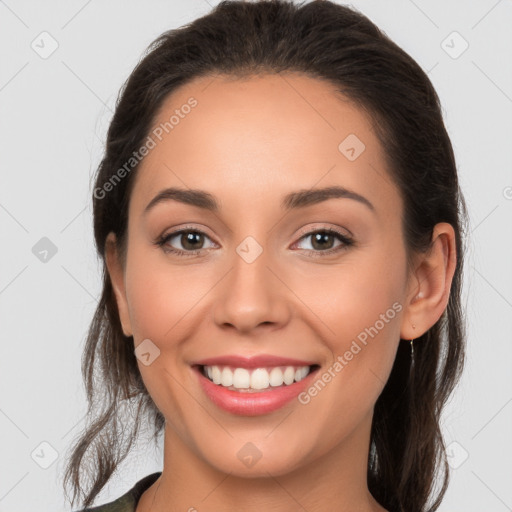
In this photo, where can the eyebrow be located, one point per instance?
(293, 200)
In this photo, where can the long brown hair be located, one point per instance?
(328, 42)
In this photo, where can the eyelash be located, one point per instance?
(346, 242)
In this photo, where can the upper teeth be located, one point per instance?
(258, 378)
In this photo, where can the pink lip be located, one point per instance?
(259, 361)
(252, 403)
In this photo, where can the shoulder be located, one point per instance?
(128, 501)
(125, 503)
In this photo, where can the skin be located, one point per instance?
(248, 143)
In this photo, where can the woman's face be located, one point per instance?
(260, 275)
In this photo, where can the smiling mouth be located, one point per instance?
(253, 380)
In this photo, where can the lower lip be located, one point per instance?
(252, 403)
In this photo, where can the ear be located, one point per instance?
(116, 273)
(429, 284)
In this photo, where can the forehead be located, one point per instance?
(259, 137)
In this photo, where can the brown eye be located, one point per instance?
(191, 240)
(188, 241)
(324, 241)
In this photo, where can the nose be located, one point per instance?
(252, 295)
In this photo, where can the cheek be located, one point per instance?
(160, 294)
(355, 294)
(362, 312)
(357, 307)
(163, 301)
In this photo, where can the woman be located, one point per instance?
(281, 227)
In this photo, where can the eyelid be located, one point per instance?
(187, 228)
(324, 227)
(345, 241)
(302, 232)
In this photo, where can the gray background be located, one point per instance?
(54, 116)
